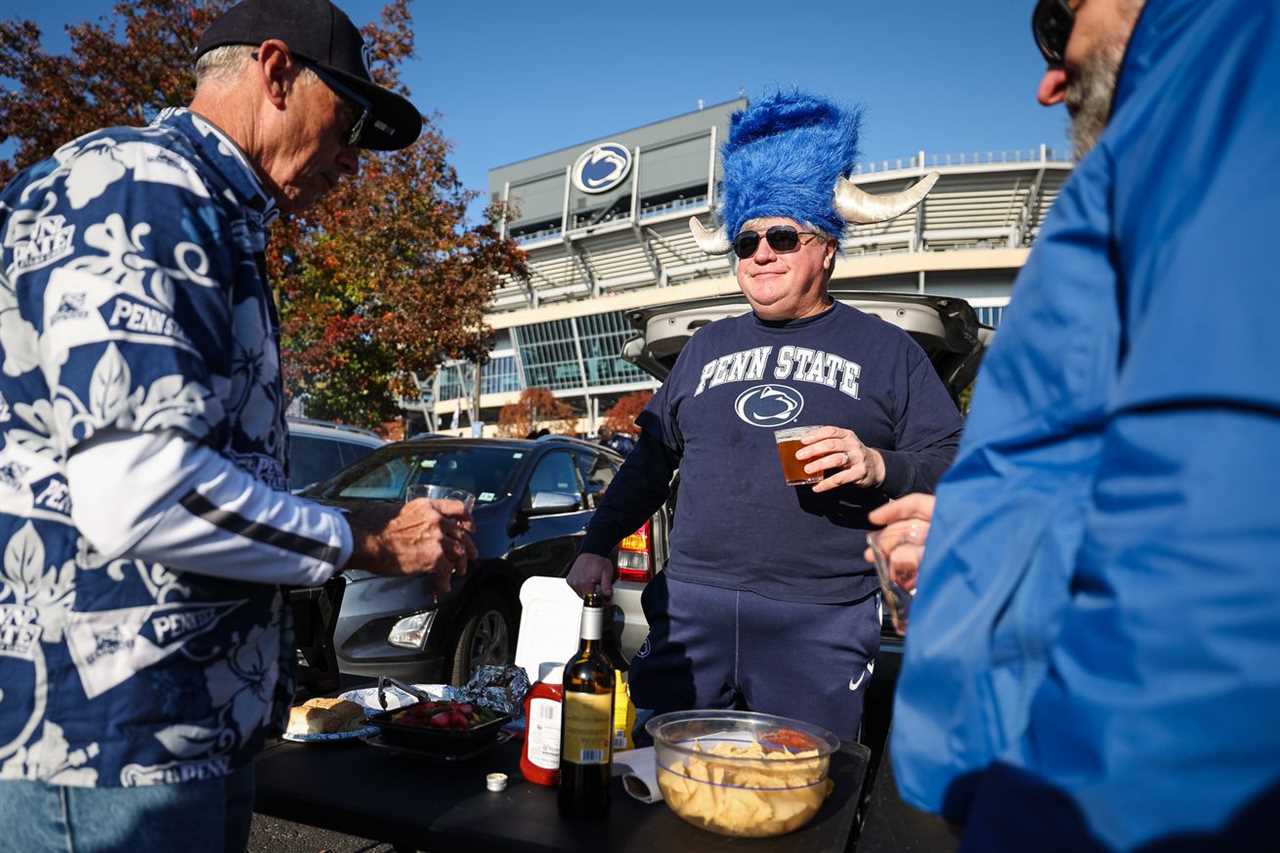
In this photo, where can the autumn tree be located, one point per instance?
(537, 408)
(621, 416)
(382, 280)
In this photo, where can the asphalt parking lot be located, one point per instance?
(272, 835)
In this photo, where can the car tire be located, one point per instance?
(487, 637)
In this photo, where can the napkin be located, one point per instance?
(639, 774)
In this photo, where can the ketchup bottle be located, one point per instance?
(540, 758)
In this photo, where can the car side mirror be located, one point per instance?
(551, 503)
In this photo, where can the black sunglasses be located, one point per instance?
(350, 96)
(781, 238)
(1051, 25)
(358, 106)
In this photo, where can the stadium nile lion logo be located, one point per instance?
(769, 405)
(602, 167)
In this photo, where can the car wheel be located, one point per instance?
(487, 638)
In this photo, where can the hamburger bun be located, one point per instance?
(324, 716)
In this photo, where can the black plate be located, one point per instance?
(435, 757)
(437, 741)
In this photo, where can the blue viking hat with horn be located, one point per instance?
(790, 154)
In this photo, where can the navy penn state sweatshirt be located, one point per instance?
(737, 524)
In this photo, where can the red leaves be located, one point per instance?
(537, 408)
(621, 416)
(103, 81)
(395, 282)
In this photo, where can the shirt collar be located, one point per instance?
(223, 154)
(798, 323)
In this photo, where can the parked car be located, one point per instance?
(320, 449)
(948, 330)
(533, 502)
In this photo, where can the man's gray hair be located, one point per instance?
(224, 64)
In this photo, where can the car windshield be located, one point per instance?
(388, 473)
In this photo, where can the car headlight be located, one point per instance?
(411, 631)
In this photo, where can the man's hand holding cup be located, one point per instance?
(898, 549)
(831, 457)
(422, 536)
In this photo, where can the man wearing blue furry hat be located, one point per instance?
(766, 600)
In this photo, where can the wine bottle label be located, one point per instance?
(592, 623)
(624, 712)
(544, 733)
(588, 727)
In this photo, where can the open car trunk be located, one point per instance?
(945, 326)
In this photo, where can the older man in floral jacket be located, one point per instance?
(144, 514)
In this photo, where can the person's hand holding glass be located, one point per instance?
(897, 551)
(431, 537)
(437, 492)
(456, 526)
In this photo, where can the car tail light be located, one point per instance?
(635, 555)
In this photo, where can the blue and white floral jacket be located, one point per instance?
(133, 297)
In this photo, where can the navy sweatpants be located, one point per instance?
(713, 648)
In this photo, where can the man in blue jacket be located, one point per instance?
(1094, 656)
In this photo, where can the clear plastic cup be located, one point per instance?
(896, 597)
(442, 493)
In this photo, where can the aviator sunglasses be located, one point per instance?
(349, 96)
(1051, 25)
(357, 107)
(781, 238)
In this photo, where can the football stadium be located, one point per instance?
(605, 226)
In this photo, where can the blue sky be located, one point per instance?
(515, 79)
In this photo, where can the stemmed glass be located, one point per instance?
(437, 492)
(441, 493)
(897, 582)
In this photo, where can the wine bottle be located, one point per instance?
(586, 753)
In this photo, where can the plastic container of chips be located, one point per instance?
(741, 773)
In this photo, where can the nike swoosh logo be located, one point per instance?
(870, 670)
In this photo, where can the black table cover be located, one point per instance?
(351, 787)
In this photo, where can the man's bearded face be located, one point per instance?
(1090, 90)
(1094, 55)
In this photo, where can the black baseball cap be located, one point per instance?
(321, 34)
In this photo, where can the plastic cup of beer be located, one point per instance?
(442, 493)
(792, 468)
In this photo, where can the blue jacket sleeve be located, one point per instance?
(1009, 514)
